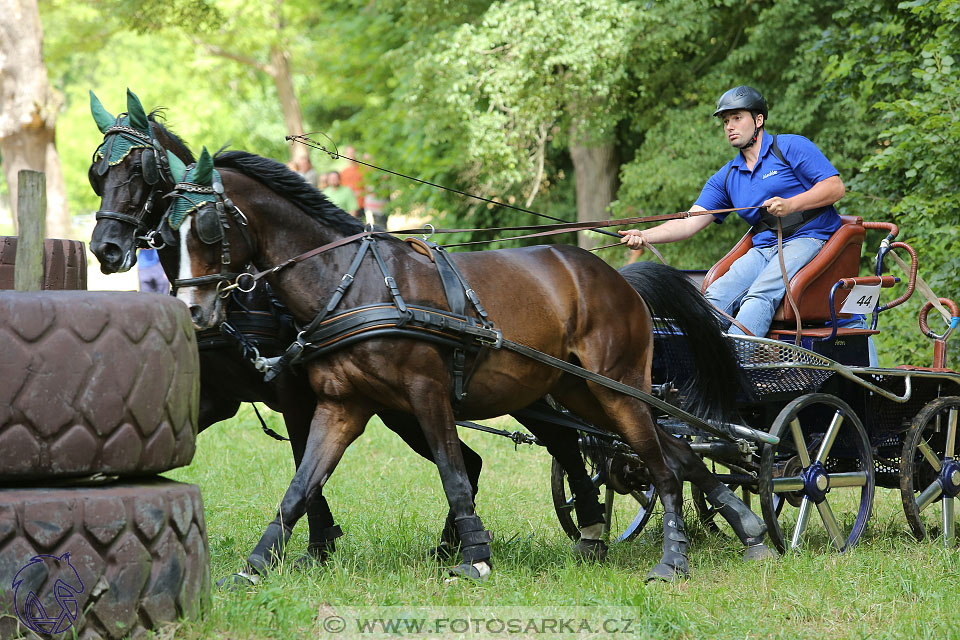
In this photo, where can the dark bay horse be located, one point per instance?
(130, 171)
(559, 300)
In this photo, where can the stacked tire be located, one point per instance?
(99, 393)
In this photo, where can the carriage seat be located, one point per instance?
(839, 258)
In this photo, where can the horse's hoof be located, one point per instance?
(589, 550)
(238, 581)
(444, 552)
(478, 572)
(257, 564)
(758, 552)
(666, 573)
(308, 561)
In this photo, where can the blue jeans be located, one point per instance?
(754, 283)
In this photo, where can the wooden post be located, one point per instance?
(31, 218)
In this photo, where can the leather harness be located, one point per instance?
(464, 333)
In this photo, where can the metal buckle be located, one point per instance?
(253, 282)
(223, 292)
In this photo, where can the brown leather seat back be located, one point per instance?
(839, 258)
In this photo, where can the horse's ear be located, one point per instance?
(203, 172)
(100, 115)
(138, 117)
(177, 168)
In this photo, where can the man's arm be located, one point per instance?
(822, 194)
(669, 231)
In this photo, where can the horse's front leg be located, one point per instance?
(437, 421)
(334, 426)
(298, 405)
(406, 426)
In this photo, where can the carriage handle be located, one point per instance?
(954, 320)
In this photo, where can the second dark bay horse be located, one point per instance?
(559, 300)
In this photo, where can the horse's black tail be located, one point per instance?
(704, 366)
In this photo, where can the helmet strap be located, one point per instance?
(753, 138)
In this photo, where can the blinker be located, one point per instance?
(148, 161)
(92, 174)
(207, 221)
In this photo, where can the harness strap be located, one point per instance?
(121, 217)
(263, 425)
(387, 278)
(727, 432)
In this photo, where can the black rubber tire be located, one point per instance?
(935, 425)
(139, 550)
(64, 264)
(95, 382)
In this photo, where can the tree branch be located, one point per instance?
(236, 57)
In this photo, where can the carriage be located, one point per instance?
(799, 440)
(844, 426)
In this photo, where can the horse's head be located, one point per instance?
(129, 171)
(211, 234)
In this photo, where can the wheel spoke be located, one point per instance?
(928, 454)
(801, 525)
(948, 522)
(641, 498)
(569, 503)
(848, 479)
(608, 512)
(799, 441)
(597, 480)
(951, 432)
(831, 525)
(830, 436)
(928, 495)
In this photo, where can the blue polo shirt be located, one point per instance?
(771, 177)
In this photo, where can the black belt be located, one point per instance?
(791, 222)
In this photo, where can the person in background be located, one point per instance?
(353, 176)
(340, 195)
(302, 165)
(150, 273)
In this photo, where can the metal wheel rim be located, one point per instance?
(563, 505)
(844, 426)
(928, 445)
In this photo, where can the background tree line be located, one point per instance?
(575, 108)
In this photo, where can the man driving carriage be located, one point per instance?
(795, 186)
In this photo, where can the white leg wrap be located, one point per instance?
(593, 532)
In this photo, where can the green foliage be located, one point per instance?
(477, 95)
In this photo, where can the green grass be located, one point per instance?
(391, 507)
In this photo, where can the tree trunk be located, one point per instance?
(28, 111)
(597, 172)
(292, 114)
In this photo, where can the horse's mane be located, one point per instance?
(176, 145)
(290, 185)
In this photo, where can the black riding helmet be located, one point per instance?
(742, 97)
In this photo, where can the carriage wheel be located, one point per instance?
(929, 470)
(624, 517)
(823, 462)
